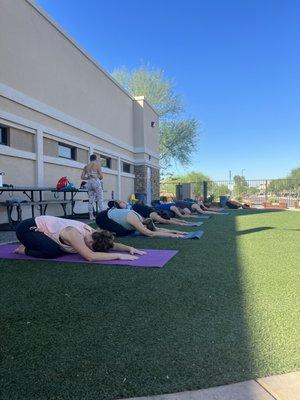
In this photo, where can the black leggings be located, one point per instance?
(37, 244)
(108, 224)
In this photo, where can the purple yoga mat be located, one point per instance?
(152, 259)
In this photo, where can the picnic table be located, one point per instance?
(35, 197)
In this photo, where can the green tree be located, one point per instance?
(220, 189)
(294, 174)
(252, 190)
(178, 135)
(240, 186)
(197, 178)
(290, 182)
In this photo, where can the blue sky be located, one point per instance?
(236, 64)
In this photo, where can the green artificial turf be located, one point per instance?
(223, 310)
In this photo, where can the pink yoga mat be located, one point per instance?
(152, 259)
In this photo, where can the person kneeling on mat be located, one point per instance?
(124, 222)
(50, 237)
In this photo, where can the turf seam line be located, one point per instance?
(266, 390)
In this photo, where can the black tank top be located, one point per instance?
(143, 210)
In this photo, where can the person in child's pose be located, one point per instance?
(125, 222)
(160, 216)
(194, 207)
(50, 237)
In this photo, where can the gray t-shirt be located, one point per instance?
(120, 215)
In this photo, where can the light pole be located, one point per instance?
(243, 172)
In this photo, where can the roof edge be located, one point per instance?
(137, 98)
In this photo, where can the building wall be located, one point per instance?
(85, 92)
(127, 187)
(21, 140)
(150, 132)
(18, 172)
(146, 120)
(60, 95)
(57, 127)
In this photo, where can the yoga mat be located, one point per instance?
(152, 259)
(201, 216)
(193, 235)
(190, 235)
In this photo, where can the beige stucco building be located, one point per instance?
(58, 106)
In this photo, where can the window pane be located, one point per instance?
(126, 168)
(66, 151)
(3, 135)
(105, 162)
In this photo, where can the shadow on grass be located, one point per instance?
(253, 230)
(92, 332)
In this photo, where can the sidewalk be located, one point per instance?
(277, 387)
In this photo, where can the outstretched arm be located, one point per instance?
(74, 239)
(83, 174)
(157, 218)
(137, 224)
(172, 221)
(172, 231)
(176, 211)
(99, 170)
(131, 250)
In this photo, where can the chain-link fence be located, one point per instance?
(256, 191)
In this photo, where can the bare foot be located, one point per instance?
(20, 249)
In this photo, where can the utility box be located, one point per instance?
(185, 191)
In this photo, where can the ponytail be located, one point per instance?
(113, 204)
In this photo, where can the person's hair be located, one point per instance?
(113, 204)
(163, 214)
(102, 240)
(93, 157)
(164, 199)
(149, 224)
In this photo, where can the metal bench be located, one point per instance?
(43, 204)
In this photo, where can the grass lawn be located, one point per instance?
(225, 309)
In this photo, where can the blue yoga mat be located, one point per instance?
(194, 235)
(201, 216)
(189, 235)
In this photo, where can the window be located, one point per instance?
(4, 135)
(126, 167)
(66, 151)
(105, 161)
